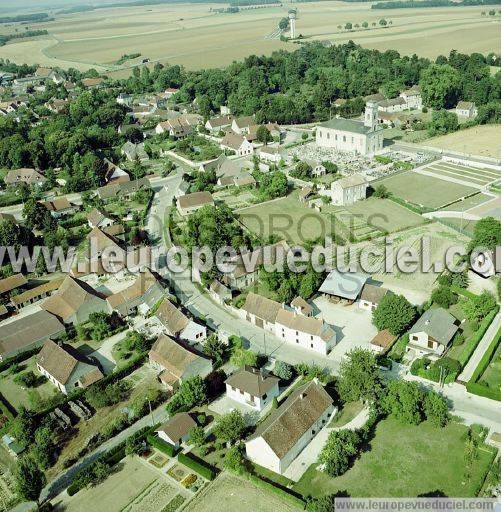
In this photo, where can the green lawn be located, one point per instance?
(18, 395)
(346, 414)
(470, 202)
(405, 461)
(492, 374)
(384, 215)
(425, 190)
(287, 218)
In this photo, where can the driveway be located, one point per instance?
(104, 353)
(353, 325)
(225, 405)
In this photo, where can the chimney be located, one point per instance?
(301, 396)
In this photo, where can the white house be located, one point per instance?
(125, 99)
(363, 137)
(178, 324)
(413, 98)
(261, 311)
(466, 109)
(270, 154)
(252, 388)
(66, 368)
(305, 332)
(242, 125)
(98, 219)
(392, 105)
(347, 190)
(432, 333)
(177, 429)
(371, 296)
(237, 143)
(286, 432)
(218, 123)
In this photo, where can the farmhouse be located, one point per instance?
(219, 292)
(252, 387)
(35, 294)
(218, 123)
(93, 83)
(123, 189)
(261, 311)
(413, 98)
(190, 203)
(59, 207)
(179, 126)
(347, 190)
(466, 109)
(140, 297)
(24, 175)
(242, 125)
(74, 301)
(97, 219)
(11, 283)
(66, 368)
(270, 154)
(284, 434)
(382, 341)
(133, 151)
(176, 362)
(393, 105)
(177, 324)
(177, 429)
(363, 137)
(301, 307)
(237, 143)
(305, 332)
(114, 174)
(371, 296)
(343, 285)
(432, 333)
(28, 332)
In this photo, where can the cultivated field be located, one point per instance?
(229, 493)
(397, 463)
(130, 480)
(425, 191)
(468, 203)
(478, 140)
(195, 36)
(469, 176)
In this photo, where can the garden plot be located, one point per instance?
(471, 176)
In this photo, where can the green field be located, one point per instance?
(349, 411)
(476, 176)
(470, 202)
(405, 460)
(425, 191)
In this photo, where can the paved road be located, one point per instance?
(64, 479)
(468, 370)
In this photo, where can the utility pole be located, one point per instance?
(151, 412)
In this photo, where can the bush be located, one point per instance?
(283, 370)
(161, 445)
(18, 358)
(198, 466)
(471, 344)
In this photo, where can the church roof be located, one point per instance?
(347, 125)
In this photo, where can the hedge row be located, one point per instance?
(18, 358)
(196, 465)
(161, 445)
(480, 390)
(486, 358)
(473, 342)
(111, 457)
(279, 491)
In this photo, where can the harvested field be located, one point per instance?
(229, 493)
(478, 140)
(195, 36)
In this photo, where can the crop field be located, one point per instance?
(470, 202)
(425, 191)
(195, 36)
(470, 176)
(477, 140)
(229, 493)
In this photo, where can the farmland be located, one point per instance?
(477, 140)
(395, 465)
(195, 36)
(229, 493)
(426, 191)
(470, 176)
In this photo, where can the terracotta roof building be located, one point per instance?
(177, 429)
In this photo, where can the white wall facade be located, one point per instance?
(349, 195)
(256, 402)
(193, 333)
(304, 339)
(364, 144)
(424, 345)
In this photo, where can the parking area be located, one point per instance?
(353, 325)
(225, 404)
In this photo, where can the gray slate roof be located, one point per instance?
(438, 323)
(347, 285)
(347, 125)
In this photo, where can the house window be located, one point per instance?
(344, 138)
(414, 337)
(264, 396)
(311, 345)
(430, 343)
(297, 341)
